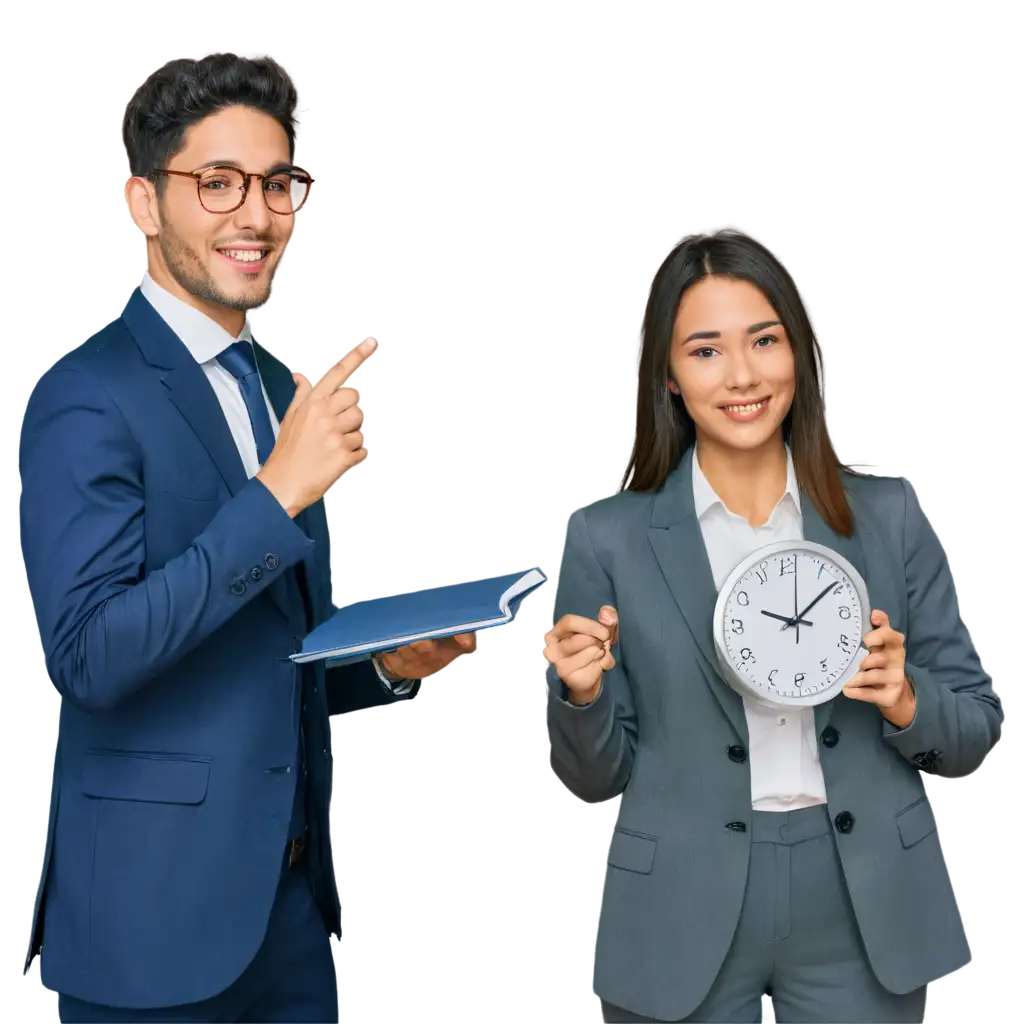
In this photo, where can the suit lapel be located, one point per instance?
(314, 520)
(187, 387)
(280, 390)
(817, 530)
(189, 390)
(678, 544)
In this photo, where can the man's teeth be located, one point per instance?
(746, 408)
(245, 255)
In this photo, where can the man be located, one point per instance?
(177, 551)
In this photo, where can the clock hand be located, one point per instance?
(787, 619)
(827, 590)
(795, 605)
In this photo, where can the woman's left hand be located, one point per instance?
(880, 678)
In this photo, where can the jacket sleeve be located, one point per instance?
(959, 717)
(108, 627)
(592, 747)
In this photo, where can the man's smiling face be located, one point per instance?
(226, 259)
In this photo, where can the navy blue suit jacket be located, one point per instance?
(170, 590)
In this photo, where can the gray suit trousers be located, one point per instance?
(797, 938)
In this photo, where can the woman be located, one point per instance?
(792, 854)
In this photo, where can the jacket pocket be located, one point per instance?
(915, 822)
(633, 851)
(156, 778)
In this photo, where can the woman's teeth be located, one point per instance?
(745, 408)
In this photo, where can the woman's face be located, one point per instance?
(732, 363)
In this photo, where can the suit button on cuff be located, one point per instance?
(238, 586)
(737, 826)
(271, 561)
(256, 575)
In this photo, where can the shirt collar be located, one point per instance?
(705, 497)
(201, 335)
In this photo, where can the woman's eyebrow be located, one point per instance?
(710, 335)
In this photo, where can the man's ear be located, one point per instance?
(143, 205)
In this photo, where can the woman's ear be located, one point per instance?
(672, 385)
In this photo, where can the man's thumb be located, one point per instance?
(302, 389)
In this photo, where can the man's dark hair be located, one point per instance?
(184, 92)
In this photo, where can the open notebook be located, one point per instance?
(359, 630)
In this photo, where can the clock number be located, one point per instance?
(824, 665)
(737, 625)
(821, 569)
(844, 611)
(770, 674)
(747, 655)
(788, 566)
(762, 573)
(798, 679)
(844, 642)
(741, 598)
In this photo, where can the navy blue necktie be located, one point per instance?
(240, 361)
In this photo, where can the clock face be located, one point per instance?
(791, 625)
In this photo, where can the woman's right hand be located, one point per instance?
(580, 650)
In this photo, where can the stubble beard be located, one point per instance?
(190, 272)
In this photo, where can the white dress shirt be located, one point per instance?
(785, 772)
(206, 339)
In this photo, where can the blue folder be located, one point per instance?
(357, 631)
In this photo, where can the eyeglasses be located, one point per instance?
(224, 189)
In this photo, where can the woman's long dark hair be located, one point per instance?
(664, 429)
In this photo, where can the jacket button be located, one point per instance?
(928, 761)
(257, 574)
(844, 822)
(271, 561)
(737, 753)
(829, 736)
(737, 826)
(238, 586)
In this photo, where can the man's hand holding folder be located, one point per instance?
(425, 657)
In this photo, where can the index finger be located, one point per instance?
(344, 368)
(567, 625)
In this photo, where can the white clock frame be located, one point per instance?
(754, 691)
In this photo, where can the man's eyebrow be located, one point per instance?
(277, 168)
(711, 335)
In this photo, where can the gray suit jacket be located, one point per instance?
(660, 729)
